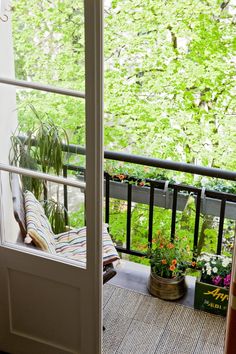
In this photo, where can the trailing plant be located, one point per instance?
(22, 155)
(42, 150)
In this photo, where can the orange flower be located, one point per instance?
(174, 262)
(121, 176)
(172, 267)
(161, 245)
(193, 264)
(170, 245)
(163, 261)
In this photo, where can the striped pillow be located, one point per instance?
(38, 226)
(72, 244)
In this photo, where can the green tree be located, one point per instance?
(170, 89)
(169, 74)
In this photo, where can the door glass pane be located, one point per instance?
(48, 41)
(48, 47)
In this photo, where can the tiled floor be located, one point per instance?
(139, 323)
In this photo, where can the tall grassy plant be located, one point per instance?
(42, 150)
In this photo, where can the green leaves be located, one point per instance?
(169, 75)
(186, 86)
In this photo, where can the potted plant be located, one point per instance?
(212, 289)
(42, 150)
(167, 276)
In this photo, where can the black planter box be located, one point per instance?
(211, 298)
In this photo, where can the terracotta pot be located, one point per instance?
(166, 289)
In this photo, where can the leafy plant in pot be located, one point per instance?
(42, 150)
(212, 287)
(167, 276)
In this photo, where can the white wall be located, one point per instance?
(8, 118)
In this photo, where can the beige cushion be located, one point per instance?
(38, 226)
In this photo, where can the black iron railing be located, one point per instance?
(177, 190)
(223, 199)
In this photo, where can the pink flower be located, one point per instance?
(227, 280)
(217, 280)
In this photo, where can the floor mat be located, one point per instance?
(141, 324)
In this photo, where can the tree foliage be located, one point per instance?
(169, 74)
(169, 85)
(170, 89)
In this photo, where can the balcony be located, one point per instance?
(136, 322)
(141, 323)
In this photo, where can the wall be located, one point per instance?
(8, 116)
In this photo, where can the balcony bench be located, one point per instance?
(36, 230)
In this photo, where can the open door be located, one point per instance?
(50, 305)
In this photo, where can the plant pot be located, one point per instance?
(211, 298)
(166, 289)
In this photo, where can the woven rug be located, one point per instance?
(141, 324)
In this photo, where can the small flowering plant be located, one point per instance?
(167, 259)
(216, 269)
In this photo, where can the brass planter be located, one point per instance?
(166, 289)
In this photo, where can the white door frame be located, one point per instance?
(94, 153)
(47, 269)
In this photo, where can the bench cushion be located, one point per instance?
(38, 226)
(72, 244)
(18, 203)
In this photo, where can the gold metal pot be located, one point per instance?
(166, 289)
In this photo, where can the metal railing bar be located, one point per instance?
(107, 200)
(128, 224)
(75, 168)
(171, 165)
(197, 219)
(45, 191)
(42, 87)
(41, 175)
(153, 162)
(214, 194)
(173, 218)
(133, 253)
(221, 226)
(65, 192)
(151, 207)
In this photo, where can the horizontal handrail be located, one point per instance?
(154, 162)
(42, 87)
(41, 175)
(171, 165)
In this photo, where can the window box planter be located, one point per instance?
(211, 298)
(164, 199)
